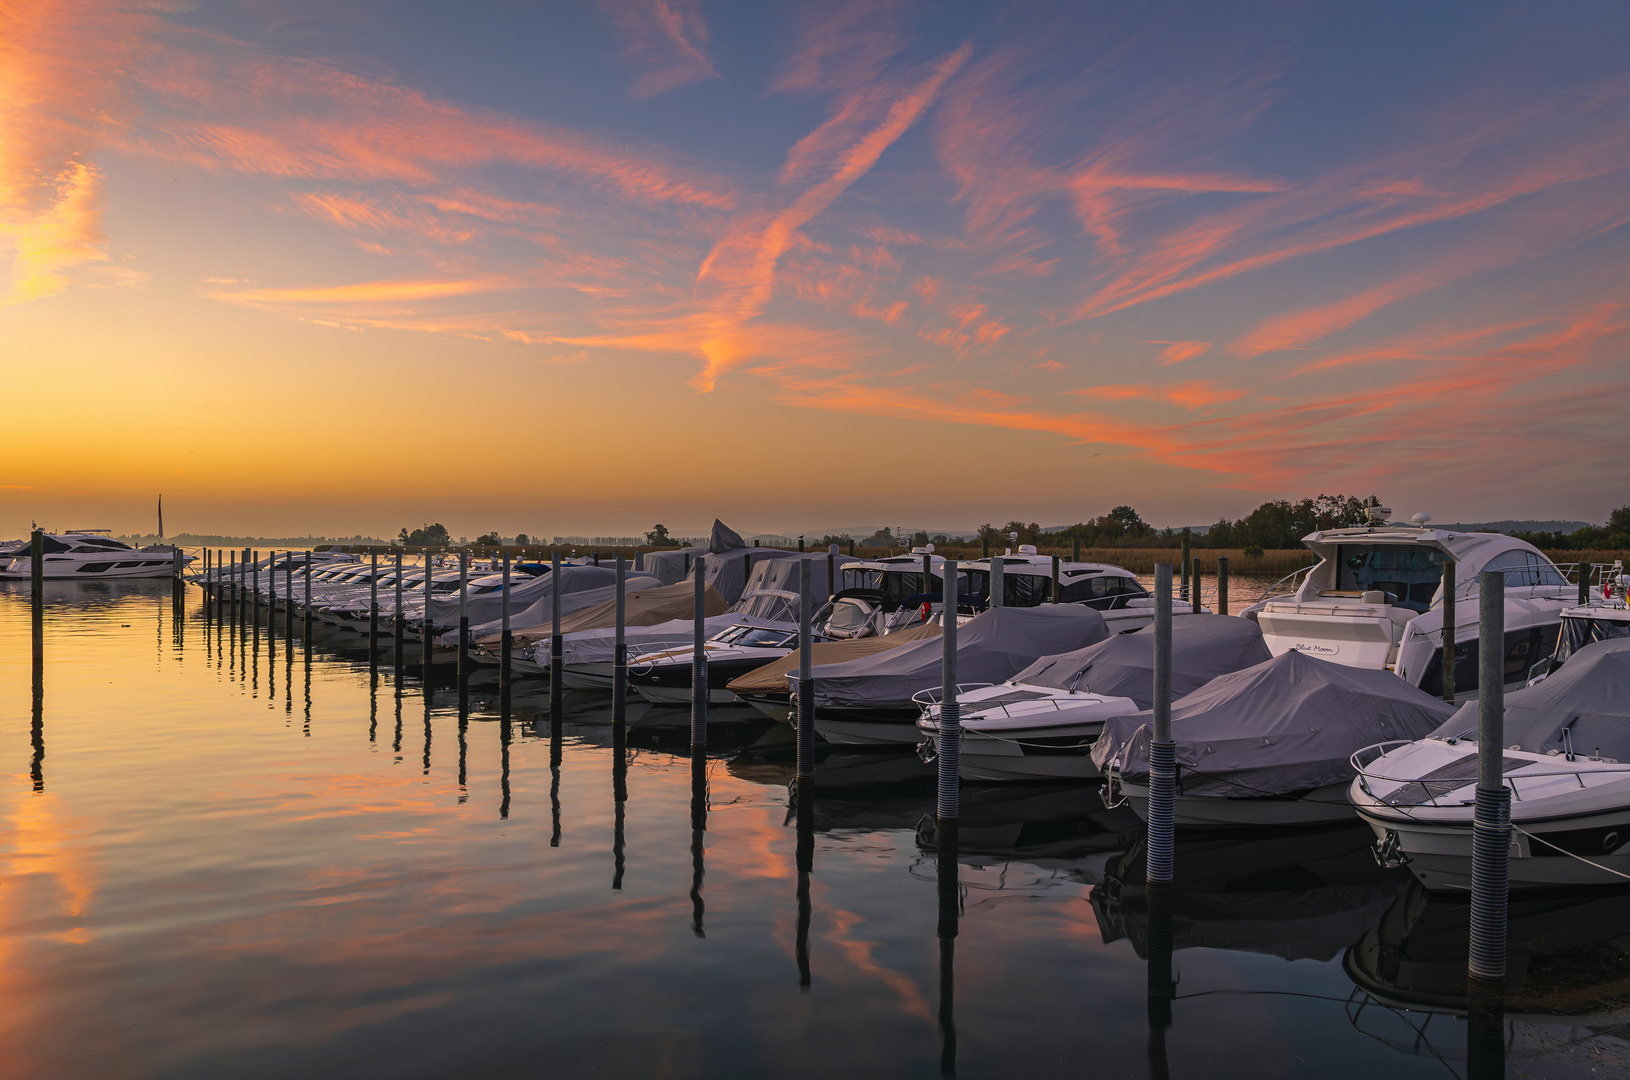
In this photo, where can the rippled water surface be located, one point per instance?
(233, 854)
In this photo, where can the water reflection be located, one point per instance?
(36, 766)
(1567, 986)
(698, 834)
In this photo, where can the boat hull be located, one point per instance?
(1326, 805)
(1440, 853)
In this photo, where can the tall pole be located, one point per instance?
(1194, 578)
(288, 594)
(1056, 584)
(698, 669)
(463, 617)
(429, 637)
(1222, 584)
(996, 587)
(1491, 818)
(398, 623)
(557, 660)
(948, 804)
(1183, 594)
(373, 602)
(806, 681)
(619, 648)
(1162, 754)
(1451, 632)
(505, 645)
(36, 583)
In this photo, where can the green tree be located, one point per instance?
(522, 540)
(491, 539)
(658, 537)
(883, 537)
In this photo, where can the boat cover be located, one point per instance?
(539, 613)
(1589, 696)
(772, 677)
(1282, 727)
(524, 592)
(643, 607)
(772, 586)
(1203, 647)
(990, 648)
(598, 646)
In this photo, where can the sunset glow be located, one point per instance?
(576, 268)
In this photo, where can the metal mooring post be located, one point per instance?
(1491, 818)
(398, 623)
(1162, 753)
(36, 599)
(557, 658)
(1183, 592)
(463, 617)
(996, 587)
(1451, 631)
(698, 663)
(948, 804)
(806, 682)
(1194, 579)
(429, 638)
(504, 644)
(619, 649)
(1055, 580)
(1222, 584)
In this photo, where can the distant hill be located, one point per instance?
(1515, 526)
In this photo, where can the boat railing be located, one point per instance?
(933, 695)
(977, 710)
(1432, 787)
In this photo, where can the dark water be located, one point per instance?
(231, 857)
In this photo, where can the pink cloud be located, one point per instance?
(666, 37)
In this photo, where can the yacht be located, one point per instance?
(84, 554)
(1041, 723)
(1597, 620)
(1567, 763)
(1027, 581)
(1375, 600)
(881, 596)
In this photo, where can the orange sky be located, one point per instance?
(307, 268)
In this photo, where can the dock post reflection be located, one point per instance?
(373, 706)
(619, 798)
(948, 890)
(36, 768)
(307, 728)
(698, 836)
(396, 743)
(1485, 1029)
(1158, 907)
(428, 701)
(803, 791)
(463, 747)
(554, 776)
(504, 735)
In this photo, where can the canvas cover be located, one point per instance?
(643, 607)
(599, 645)
(1589, 697)
(523, 593)
(540, 611)
(772, 677)
(1203, 647)
(990, 648)
(1282, 727)
(772, 584)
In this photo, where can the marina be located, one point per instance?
(240, 817)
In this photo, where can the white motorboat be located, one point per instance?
(1269, 745)
(1027, 581)
(882, 596)
(1567, 763)
(1375, 600)
(85, 555)
(1605, 619)
(874, 700)
(1041, 723)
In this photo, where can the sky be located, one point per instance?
(303, 266)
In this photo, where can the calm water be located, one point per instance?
(241, 857)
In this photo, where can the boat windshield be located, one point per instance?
(849, 616)
(1578, 632)
(1408, 574)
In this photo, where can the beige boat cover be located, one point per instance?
(644, 607)
(772, 677)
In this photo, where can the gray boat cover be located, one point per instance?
(771, 591)
(772, 677)
(1279, 728)
(728, 563)
(524, 592)
(540, 612)
(642, 607)
(598, 646)
(1589, 696)
(990, 648)
(1203, 647)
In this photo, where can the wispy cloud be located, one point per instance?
(666, 37)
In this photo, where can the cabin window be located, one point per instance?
(1523, 649)
(93, 568)
(1525, 569)
(1408, 575)
(1577, 633)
